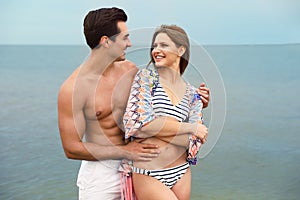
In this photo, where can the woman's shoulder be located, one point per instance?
(148, 71)
(191, 88)
(193, 93)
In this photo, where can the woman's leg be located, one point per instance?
(182, 189)
(149, 188)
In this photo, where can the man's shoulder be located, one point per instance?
(68, 85)
(127, 64)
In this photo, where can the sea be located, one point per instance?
(254, 113)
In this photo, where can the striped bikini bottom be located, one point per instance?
(168, 176)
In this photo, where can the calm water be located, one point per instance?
(256, 157)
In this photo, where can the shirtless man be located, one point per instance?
(85, 107)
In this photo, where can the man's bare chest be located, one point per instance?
(100, 103)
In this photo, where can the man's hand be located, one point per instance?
(140, 151)
(204, 94)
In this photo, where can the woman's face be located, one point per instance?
(165, 53)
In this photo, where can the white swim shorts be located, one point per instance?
(99, 180)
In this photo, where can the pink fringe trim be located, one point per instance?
(127, 192)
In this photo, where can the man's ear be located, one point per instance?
(181, 50)
(104, 41)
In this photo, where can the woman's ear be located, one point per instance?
(181, 50)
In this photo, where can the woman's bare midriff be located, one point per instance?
(170, 155)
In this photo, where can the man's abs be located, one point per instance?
(103, 134)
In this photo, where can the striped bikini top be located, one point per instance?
(162, 105)
(148, 100)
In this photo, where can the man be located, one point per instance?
(85, 107)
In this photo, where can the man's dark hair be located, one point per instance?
(102, 22)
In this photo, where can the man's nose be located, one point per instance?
(129, 43)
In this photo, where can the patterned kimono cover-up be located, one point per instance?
(139, 112)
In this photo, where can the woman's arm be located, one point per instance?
(165, 127)
(139, 118)
(172, 131)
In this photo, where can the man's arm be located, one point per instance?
(72, 127)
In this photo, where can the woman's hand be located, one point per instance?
(201, 132)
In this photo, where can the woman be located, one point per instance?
(159, 99)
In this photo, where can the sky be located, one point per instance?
(209, 22)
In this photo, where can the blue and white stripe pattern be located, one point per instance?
(163, 106)
(168, 176)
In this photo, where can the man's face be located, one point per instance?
(122, 41)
